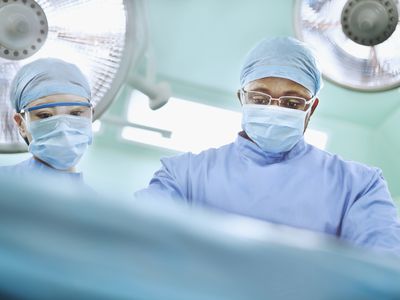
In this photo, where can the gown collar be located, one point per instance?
(252, 151)
(41, 167)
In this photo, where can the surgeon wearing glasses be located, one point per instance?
(54, 117)
(270, 173)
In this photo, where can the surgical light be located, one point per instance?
(103, 37)
(355, 41)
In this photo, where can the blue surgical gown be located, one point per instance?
(305, 188)
(35, 169)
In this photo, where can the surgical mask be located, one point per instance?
(274, 129)
(60, 140)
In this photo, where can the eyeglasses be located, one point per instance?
(292, 102)
(47, 110)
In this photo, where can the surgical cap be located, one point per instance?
(282, 57)
(44, 77)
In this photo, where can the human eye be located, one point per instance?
(258, 98)
(77, 113)
(293, 102)
(42, 114)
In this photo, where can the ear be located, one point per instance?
(238, 96)
(315, 104)
(19, 120)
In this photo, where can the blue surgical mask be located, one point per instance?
(60, 140)
(274, 129)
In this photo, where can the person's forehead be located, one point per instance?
(279, 85)
(57, 98)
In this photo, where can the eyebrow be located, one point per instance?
(287, 93)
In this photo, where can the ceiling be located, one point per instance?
(200, 45)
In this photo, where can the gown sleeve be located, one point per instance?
(372, 219)
(167, 182)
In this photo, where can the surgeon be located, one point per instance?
(51, 98)
(270, 173)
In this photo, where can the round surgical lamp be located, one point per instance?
(102, 37)
(356, 42)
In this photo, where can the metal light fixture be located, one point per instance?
(357, 42)
(103, 37)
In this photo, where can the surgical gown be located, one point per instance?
(305, 188)
(33, 169)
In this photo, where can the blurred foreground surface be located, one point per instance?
(60, 243)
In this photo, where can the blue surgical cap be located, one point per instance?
(282, 57)
(44, 77)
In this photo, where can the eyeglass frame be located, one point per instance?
(26, 111)
(306, 102)
(55, 104)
